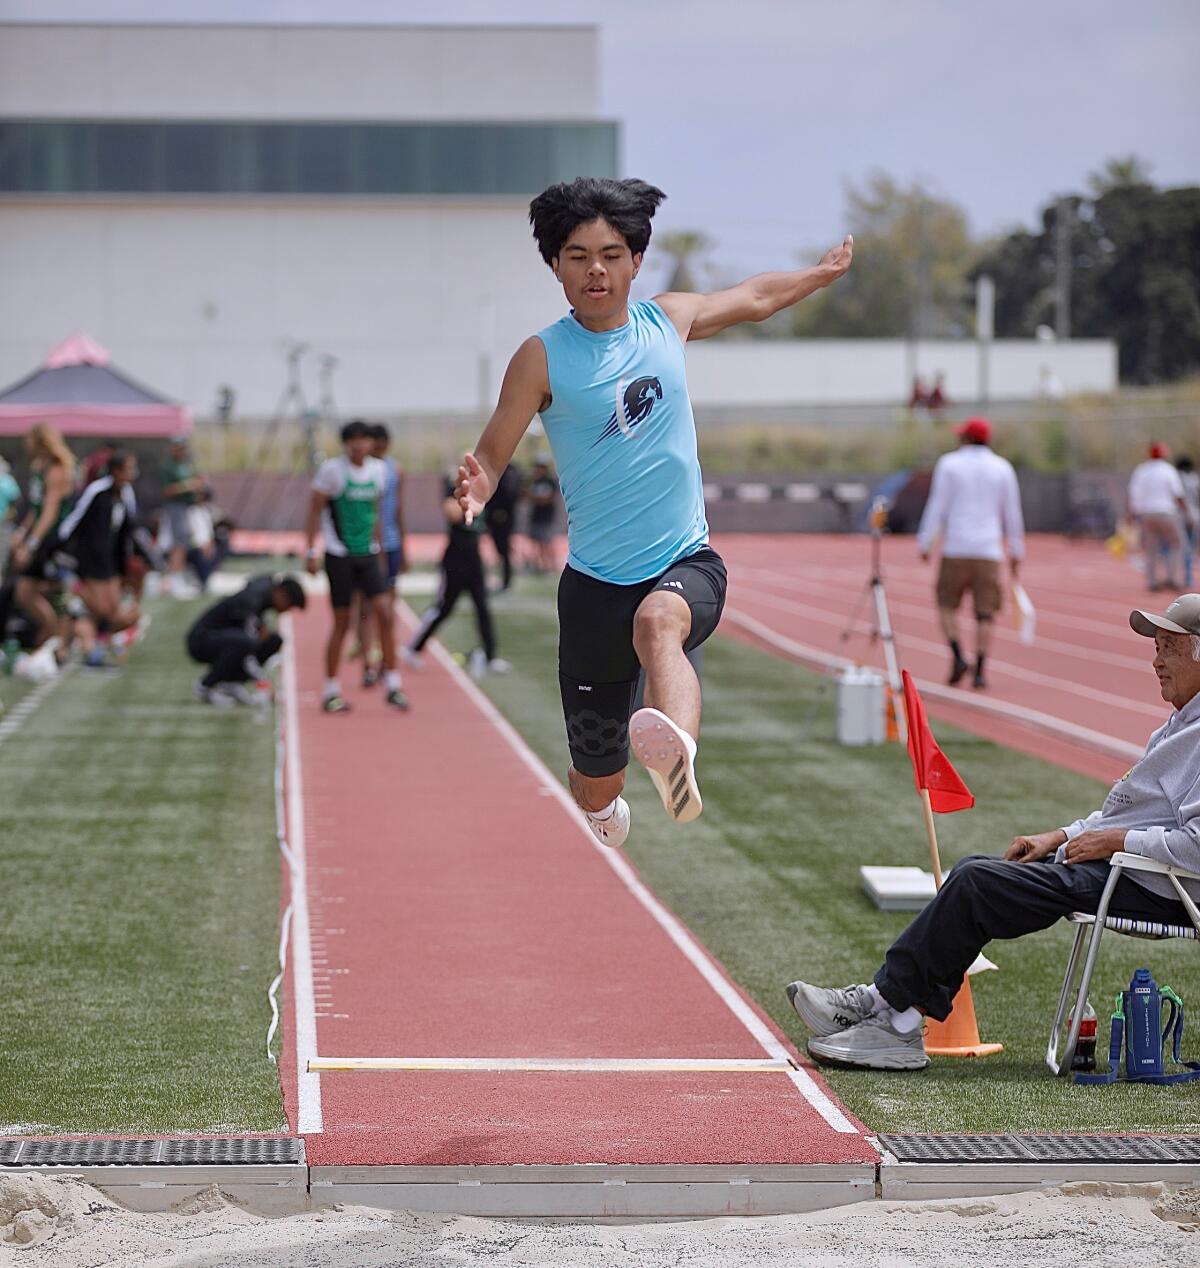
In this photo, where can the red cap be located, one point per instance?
(977, 430)
(1158, 450)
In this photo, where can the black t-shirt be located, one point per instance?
(464, 536)
(543, 487)
(242, 610)
(508, 491)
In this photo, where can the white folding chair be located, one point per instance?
(1119, 864)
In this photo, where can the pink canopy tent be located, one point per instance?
(78, 391)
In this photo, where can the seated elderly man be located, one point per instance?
(1154, 810)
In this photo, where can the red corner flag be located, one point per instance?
(931, 766)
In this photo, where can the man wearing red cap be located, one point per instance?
(975, 506)
(1156, 501)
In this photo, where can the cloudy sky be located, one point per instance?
(754, 114)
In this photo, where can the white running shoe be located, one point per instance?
(498, 666)
(477, 664)
(613, 828)
(668, 753)
(414, 660)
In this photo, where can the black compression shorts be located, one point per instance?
(348, 573)
(597, 666)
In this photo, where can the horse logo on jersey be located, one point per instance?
(633, 405)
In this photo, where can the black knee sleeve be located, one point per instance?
(597, 718)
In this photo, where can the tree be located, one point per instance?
(1118, 173)
(683, 247)
(1134, 255)
(913, 252)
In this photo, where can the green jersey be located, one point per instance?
(176, 472)
(349, 518)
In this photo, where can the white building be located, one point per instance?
(196, 196)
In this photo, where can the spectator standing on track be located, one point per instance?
(51, 489)
(180, 486)
(543, 512)
(346, 493)
(462, 570)
(642, 586)
(1190, 479)
(1156, 501)
(235, 641)
(501, 517)
(1153, 810)
(975, 506)
(391, 511)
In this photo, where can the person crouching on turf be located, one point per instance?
(1154, 811)
(462, 569)
(234, 640)
(346, 493)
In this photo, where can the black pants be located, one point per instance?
(225, 652)
(985, 898)
(501, 534)
(462, 570)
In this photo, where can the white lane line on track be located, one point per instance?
(1109, 745)
(23, 710)
(997, 667)
(557, 1065)
(925, 613)
(805, 1084)
(309, 1117)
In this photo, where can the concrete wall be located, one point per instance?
(413, 297)
(772, 375)
(281, 72)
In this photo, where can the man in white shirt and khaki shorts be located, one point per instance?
(1156, 501)
(975, 507)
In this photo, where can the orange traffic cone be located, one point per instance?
(958, 1035)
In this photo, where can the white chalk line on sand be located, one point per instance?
(309, 1118)
(558, 1065)
(805, 1084)
(1109, 745)
(23, 710)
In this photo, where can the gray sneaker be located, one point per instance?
(827, 1011)
(874, 1044)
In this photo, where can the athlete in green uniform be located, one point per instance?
(345, 505)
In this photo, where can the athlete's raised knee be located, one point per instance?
(660, 618)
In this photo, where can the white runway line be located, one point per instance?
(20, 713)
(557, 1065)
(1109, 745)
(805, 1084)
(308, 1084)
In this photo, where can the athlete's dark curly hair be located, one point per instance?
(626, 205)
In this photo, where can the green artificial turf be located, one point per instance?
(139, 905)
(768, 876)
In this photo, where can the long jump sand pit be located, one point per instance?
(63, 1223)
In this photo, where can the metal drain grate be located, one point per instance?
(1061, 1149)
(232, 1151)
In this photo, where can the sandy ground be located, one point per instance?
(66, 1224)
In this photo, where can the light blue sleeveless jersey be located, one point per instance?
(624, 440)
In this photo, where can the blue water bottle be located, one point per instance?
(1143, 1026)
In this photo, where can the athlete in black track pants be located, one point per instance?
(462, 570)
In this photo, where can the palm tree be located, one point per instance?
(1119, 173)
(683, 247)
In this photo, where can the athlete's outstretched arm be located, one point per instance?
(525, 391)
(755, 299)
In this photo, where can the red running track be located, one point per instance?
(454, 905)
(1083, 694)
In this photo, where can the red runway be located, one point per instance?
(1083, 694)
(451, 905)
